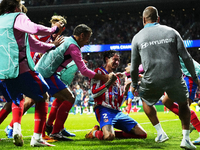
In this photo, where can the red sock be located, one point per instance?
(195, 121)
(44, 126)
(17, 111)
(129, 108)
(174, 108)
(3, 115)
(11, 123)
(61, 116)
(121, 134)
(40, 116)
(165, 108)
(99, 134)
(52, 114)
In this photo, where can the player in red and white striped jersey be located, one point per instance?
(108, 97)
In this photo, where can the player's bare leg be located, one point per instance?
(151, 113)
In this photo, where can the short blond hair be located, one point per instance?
(57, 18)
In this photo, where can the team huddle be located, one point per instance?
(38, 63)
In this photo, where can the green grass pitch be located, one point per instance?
(81, 124)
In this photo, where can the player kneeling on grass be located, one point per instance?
(108, 97)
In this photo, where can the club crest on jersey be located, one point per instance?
(105, 117)
(105, 120)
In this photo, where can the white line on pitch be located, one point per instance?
(90, 129)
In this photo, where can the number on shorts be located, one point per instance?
(105, 115)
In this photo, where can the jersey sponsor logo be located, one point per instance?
(156, 42)
(111, 93)
(115, 90)
(144, 45)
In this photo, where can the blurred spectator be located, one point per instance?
(78, 100)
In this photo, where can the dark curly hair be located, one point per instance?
(109, 54)
(9, 6)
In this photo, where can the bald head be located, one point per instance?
(150, 15)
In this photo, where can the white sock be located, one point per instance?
(91, 109)
(186, 134)
(37, 136)
(9, 127)
(16, 128)
(94, 133)
(159, 129)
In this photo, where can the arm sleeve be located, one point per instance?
(23, 24)
(77, 57)
(98, 90)
(38, 46)
(187, 59)
(135, 62)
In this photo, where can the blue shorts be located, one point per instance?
(130, 95)
(107, 116)
(79, 102)
(5, 93)
(30, 83)
(191, 86)
(90, 103)
(55, 84)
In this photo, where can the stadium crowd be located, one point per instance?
(120, 26)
